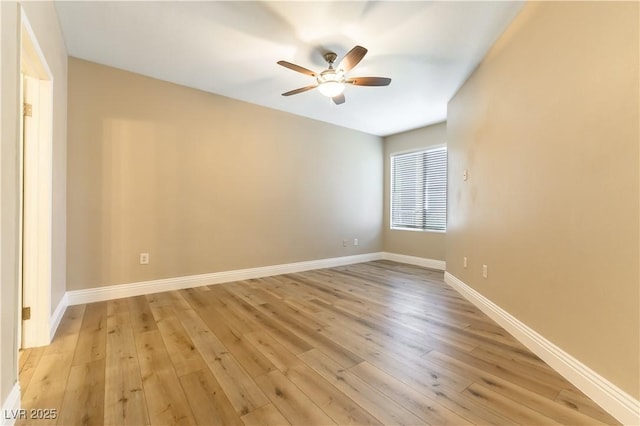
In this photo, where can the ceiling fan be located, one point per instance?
(331, 82)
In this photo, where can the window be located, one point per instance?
(419, 190)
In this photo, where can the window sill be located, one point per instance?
(418, 230)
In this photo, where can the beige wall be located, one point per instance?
(44, 22)
(547, 127)
(205, 183)
(430, 245)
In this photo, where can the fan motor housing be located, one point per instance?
(330, 57)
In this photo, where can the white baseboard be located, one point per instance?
(56, 316)
(440, 265)
(98, 294)
(10, 410)
(615, 401)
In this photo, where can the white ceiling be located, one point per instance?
(231, 48)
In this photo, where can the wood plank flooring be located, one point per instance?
(368, 344)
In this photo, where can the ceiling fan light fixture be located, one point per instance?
(331, 83)
(331, 88)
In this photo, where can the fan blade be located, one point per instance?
(339, 99)
(297, 68)
(352, 58)
(369, 81)
(300, 90)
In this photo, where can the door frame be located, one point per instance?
(36, 198)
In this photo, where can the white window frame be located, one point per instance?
(391, 192)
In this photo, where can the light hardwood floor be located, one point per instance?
(372, 343)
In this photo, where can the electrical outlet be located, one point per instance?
(144, 258)
(464, 262)
(485, 271)
(355, 241)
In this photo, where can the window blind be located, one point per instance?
(419, 190)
